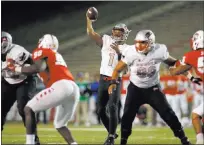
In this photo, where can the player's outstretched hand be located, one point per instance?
(196, 80)
(111, 88)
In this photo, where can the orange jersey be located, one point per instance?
(169, 84)
(57, 68)
(196, 60)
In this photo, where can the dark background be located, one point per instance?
(15, 13)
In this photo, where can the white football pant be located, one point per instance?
(173, 100)
(183, 103)
(199, 110)
(197, 99)
(63, 94)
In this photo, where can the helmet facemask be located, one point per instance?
(144, 41)
(120, 33)
(5, 45)
(142, 46)
(6, 42)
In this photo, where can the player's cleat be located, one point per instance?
(185, 141)
(109, 141)
(37, 140)
(200, 138)
(200, 142)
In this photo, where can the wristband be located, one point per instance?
(113, 82)
(192, 78)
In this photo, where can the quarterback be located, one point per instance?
(111, 48)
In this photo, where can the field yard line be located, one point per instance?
(95, 129)
(138, 137)
(23, 135)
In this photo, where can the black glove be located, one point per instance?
(196, 80)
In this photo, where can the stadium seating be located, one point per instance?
(172, 28)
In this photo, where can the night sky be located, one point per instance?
(23, 12)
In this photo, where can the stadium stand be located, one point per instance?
(172, 28)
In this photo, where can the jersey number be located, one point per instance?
(37, 54)
(200, 64)
(60, 60)
(110, 62)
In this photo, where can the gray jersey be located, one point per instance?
(144, 69)
(19, 55)
(109, 56)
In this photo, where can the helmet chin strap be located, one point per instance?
(120, 42)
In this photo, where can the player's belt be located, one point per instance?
(105, 78)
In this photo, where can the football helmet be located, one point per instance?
(6, 42)
(48, 41)
(120, 32)
(144, 41)
(197, 40)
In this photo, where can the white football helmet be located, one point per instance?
(121, 36)
(144, 41)
(197, 40)
(6, 42)
(49, 41)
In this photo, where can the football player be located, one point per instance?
(61, 90)
(144, 59)
(15, 86)
(111, 48)
(194, 59)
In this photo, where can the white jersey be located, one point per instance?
(19, 55)
(144, 69)
(109, 56)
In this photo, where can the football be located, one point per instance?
(92, 13)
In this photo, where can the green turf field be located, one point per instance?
(14, 133)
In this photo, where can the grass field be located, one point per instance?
(14, 133)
